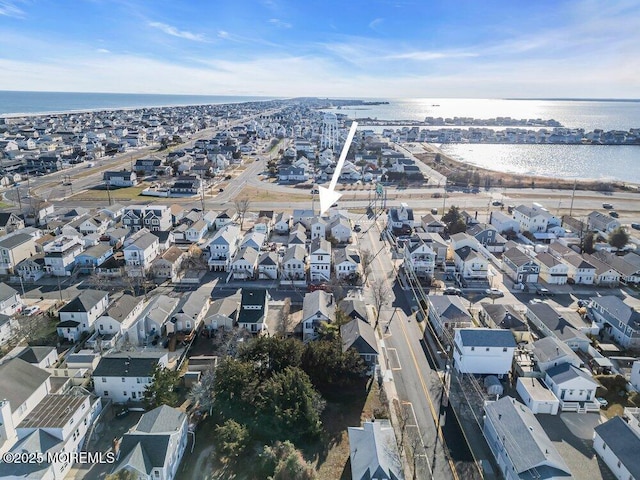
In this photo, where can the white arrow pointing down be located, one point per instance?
(328, 196)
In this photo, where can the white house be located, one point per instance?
(60, 255)
(400, 218)
(533, 219)
(340, 229)
(222, 247)
(140, 254)
(153, 449)
(601, 222)
(552, 270)
(318, 228)
(226, 217)
(503, 222)
(550, 352)
(122, 178)
(519, 443)
(483, 351)
(419, 258)
(537, 396)
(617, 443)
(373, 452)
(13, 249)
(245, 263)
(120, 315)
(320, 260)
(83, 311)
(575, 388)
(252, 316)
(10, 301)
(470, 264)
(579, 270)
(346, 262)
(124, 377)
(268, 266)
(196, 232)
(317, 308)
(281, 225)
(294, 263)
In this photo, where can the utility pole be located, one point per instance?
(575, 182)
(19, 199)
(108, 182)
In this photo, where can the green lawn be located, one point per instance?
(5, 204)
(116, 194)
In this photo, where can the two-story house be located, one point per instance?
(252, 315)
(320, 260)
(579, 271)
(124, 377)
(122, 178)
(10, 222)
(154, 447)
(520, 266)
(574, 387)
(601, 222)
(419, 258)
(120, 315)
(15, 248)
(346, 263)
(447, 312)
(359, 335)
(470, 264)
(483, 351)
(245, 263)
(140, 254)
(168, 265)
(400, 219)
(552, 270)
(268, 266)
(89, 260)
(617, 443)
(617, 319)
(60, 255)
(10, 301)
(317, 308)
(294, 263)
(507, 318)
(81, 313)
(222, 247)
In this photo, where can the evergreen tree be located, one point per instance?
(161, 390)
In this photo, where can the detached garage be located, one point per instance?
(537, 396)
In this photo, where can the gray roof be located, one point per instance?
(12, 241)
(345, 254)
(620, 310)
(18, 381)
(144, 241)
(549, 349)
(320, 244)
(296, 252)
(486, 337)
(125, 366)
(517, 256)
(318, 301)
(449, 307)
(547, 259)
(4, 319)
(524, 439)
(268, 258)
(163, 419)
(192, 303)
(143, 452)
(160, 308)
(560, 327)
(6, 291)
(578, 261)
(225, 306)
(359, 335)
(36, 441)
(505, 316)
(249, 254)
(35, 354)
(354, 308)
(373, 452)
(565, 372)
(97, 250)
(623, 442)
(121, 307)
(85, 301)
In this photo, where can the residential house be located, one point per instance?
(373, 452)
(154, 448)
(223, 313)
(60, 255)
(617, 319)
(252, 315)
(606, 275)
(340, 229)
(533, 219)
(575, 388)
(552, 270)
(550, 323)
(488, 237)
(579, 271)
(431, 224)
(281, 224)
(346, 263)
(22, 387)
(88, 261)
(80, 314)
(41, 357)
(113, 211)
(470, 264)
(507, 318)
(225, 217)
(536, 396)
(354, 308)
(520, 266)
(6, 329)
(148, 166)
(120, 316)
(10, 301)
(318, 228)
(601, 222)
(10, 222)
(400, 219)
(186, 185)
(168, 265)
(140, 254)
(122, 178)
(419, 258)
(245, 263)
(503, 223)
(520, 444)
(222, 247)
(268, 266)
(447, 312)
(629, 272)
(549, 352)
(152, 325)
(13, 249)
(96, 224)
(294, 263)
(317, 308)
(483, 351)
(617, 443)
(254, 240)
(31, 269)
(302, 215)
(124, 377)
(320, 260)
(153, 217)
(298, 236)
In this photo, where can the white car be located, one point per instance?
(494, 292)
(29, 311)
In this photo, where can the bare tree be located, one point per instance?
(242, 205)
(380, 293)
(366, 261)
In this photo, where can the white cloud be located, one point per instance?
(428, 55)
(103, 50)
(373, 24)
(10, 9)
(174, 32)
(223, 34)
(279, 23)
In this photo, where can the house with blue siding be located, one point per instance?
(617, 319)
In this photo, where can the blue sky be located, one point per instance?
(372, 48)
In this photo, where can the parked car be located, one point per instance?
(221, 190)
(434, 211)
(32, 310)
(497, 203)
(452, 291)
(494, 292)
(608, 206)
(315, 191)
(602, 401)
(357, 227)
(613, 214)
(544, 292)
(635, 226)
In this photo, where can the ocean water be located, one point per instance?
(14, 102)
(610, 162)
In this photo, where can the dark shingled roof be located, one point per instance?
(143, 452)
(35, 354)
(359, 335)
(125, 367)
(85, 301)
(487, 337)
